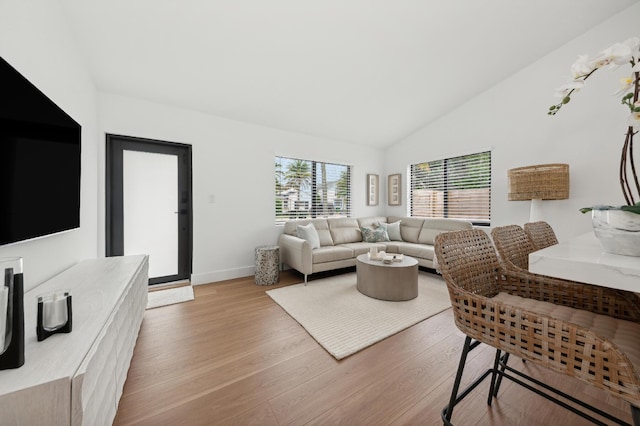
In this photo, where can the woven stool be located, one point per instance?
(267, 265)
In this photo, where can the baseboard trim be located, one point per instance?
(169, 285)
(227, 274)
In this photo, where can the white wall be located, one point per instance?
(34, 39)
(234, 163)
(511, 119)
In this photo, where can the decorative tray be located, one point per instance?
(385, 257)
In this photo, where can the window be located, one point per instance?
(308, 189)
(458, 187)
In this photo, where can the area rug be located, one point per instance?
(344, 321)
(169, 297)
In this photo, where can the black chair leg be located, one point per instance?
(456, 384)
(495, 378)
(505, 359)
(499, 371)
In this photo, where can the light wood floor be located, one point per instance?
(232, 356)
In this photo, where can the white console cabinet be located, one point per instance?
(77, 378)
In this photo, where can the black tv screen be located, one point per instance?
(39, 162)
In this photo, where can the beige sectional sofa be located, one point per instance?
(341, 240)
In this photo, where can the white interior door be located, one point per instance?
(150, 209)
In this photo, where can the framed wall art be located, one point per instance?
(372, 190)
(394, 189)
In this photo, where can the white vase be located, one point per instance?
(618, 231)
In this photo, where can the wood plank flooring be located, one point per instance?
(232, 356)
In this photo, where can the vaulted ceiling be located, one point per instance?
(363, 71)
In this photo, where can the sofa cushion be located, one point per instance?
(432, 227)
(344, 230)
(374, 235)
(362, 248)
(331, 254)
(290, 227)
(393, 231)
(410, 249)
(410, 228)
(372, 221)
(308, 232)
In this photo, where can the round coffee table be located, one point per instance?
(394, 281)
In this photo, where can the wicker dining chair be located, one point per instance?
(533, 318)
(541, 234)
(514, 246)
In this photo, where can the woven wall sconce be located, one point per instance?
(537, 183)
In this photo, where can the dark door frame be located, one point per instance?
(114, 221)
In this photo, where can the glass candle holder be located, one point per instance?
(54, 310)
(12, 313)
(54, 313)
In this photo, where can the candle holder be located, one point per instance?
(54, 314)
(11, 313)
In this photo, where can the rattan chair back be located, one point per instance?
(513, 246)
(541, 234)
(468, 260)
(477, 283)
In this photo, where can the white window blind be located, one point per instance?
(458, 187)
(309, 189)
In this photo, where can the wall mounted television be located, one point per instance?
(39, 162)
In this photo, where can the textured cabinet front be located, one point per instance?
(77, 378)
(97, 386)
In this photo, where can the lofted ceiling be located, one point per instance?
(369, 72)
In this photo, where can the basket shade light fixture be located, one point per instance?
(537, 183)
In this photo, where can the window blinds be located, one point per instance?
(309, 189)
(458, 187)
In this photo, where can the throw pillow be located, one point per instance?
(393, 230)
(310, 234)
(370, 235)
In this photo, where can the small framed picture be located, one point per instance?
(372, 190)
(394, 190)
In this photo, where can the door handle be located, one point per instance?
(182, 211)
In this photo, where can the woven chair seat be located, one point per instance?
(623, 334)
(584, 331)
(514, 246)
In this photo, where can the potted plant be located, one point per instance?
(617, 227)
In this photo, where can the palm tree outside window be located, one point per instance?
(309, 189)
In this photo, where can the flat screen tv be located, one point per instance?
(39, 162)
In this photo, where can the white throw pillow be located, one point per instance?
(309, 233)
(393, 230)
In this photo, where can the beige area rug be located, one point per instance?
(169, 297)
(345, 321)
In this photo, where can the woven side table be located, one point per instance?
(267, 265)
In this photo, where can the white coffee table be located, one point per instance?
(395, 281)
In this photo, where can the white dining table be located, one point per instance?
(582, 259)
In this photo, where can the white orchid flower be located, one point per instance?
(614, 56)
(582, 66)
(627, 52)
(633, 43)
(634, 120)
(626, 84)
(564, 90)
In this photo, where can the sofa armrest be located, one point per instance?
(296, 253)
